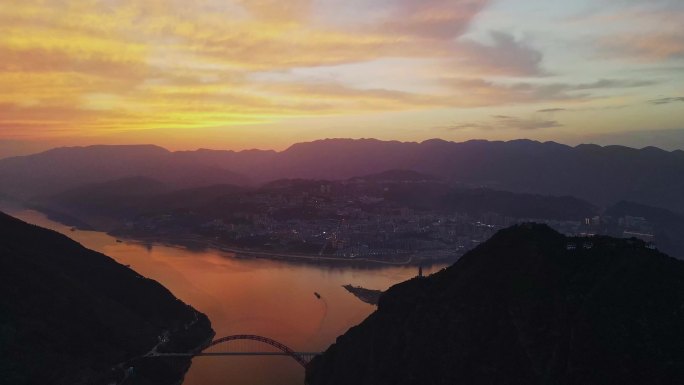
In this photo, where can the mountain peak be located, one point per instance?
(529, 306)
(140, 148)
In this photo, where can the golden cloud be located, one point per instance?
(73, 66)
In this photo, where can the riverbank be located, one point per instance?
(369, 296)
(268, 297)
(201, 243)
(196, 242)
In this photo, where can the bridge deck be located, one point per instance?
(303, 358)
(233, 354)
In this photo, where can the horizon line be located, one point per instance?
(348, 139)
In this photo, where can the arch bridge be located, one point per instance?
(302, 358)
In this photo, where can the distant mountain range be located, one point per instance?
(601, 175)
(69, 315)
(529, 306)
(62, 169)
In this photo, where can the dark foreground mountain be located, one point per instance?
(529, 306)
(69, 315)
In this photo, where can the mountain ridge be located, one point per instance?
(602, 175)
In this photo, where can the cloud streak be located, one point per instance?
(669, 100)
(552, 110)
(506, 122)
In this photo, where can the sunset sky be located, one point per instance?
(240, 74)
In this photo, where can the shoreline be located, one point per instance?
(369, 296)
(201, 243)
(261, 254)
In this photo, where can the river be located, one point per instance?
(248, 296)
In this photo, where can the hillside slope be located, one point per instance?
(69, 315)
(524, 309)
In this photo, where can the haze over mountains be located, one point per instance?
(61, 169)
(600, 175)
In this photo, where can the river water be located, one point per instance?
(248, 296)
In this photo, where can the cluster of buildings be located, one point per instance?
(352, 223)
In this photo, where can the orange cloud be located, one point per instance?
(73, 67)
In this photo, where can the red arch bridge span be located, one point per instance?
(303, 358)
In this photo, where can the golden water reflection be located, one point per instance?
(248, 296)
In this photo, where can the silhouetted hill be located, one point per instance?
(337, 159)
(479, 201)
(524, 308)
(99, 205)
(437, 196)
(601, 175)
(69, 315)
(100, 194)
(104, 206)
(62, 169)
(188, 198)
(233, 160)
